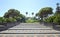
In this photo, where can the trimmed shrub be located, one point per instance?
(57, 19)
(50, 19)
(53, 19)
(2, 20)
(10, 19)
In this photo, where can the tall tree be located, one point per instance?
(32, 13)
(26, 13)
(12, 13)
(45, 11)
(57, 9)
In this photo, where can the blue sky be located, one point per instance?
(26, 5)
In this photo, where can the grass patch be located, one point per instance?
(31, 21)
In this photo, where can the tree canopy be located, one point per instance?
(11, 13)
(45, 11)
(14, 14)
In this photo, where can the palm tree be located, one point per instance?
(26, 13)
(32, 13)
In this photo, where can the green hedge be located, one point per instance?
(10, 19)
(54, 19)
(6, 20)
(2, 19)
(57, 19)
(50, 19)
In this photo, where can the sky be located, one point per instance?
(26, 6)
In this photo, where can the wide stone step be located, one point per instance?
(29, 35)
(30, 31)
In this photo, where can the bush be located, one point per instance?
(50, 19)
(10, 19)
(2, 20)
(53, 19)
(32, 21)
(57, 19)
(29, 21)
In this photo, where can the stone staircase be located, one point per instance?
(30, 30)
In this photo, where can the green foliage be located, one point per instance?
(11, 13)
(26, 13)
(57, 13)
(22, 18)
(2, 20)
(31, 20)
(10, 19)
(57, 19)
(32, 13)
(16, 17)
(6, 20)
(14, 14)
(50, 19)
(54, 19)
(44, 12)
